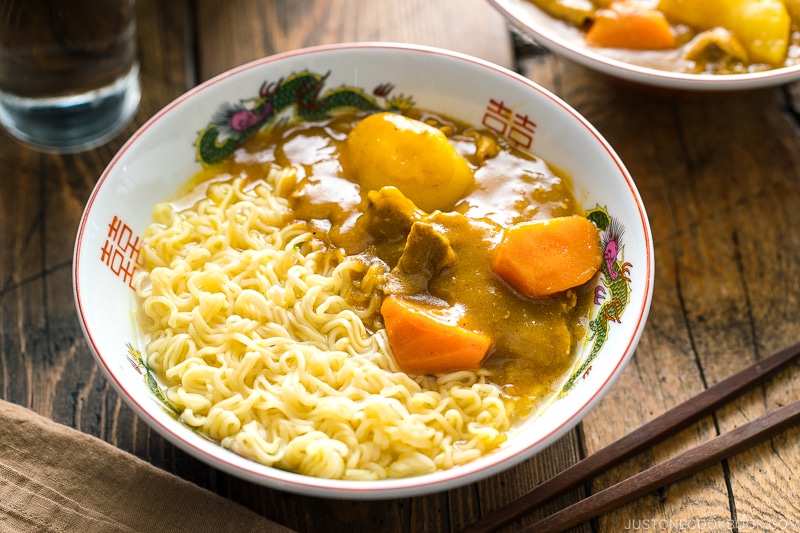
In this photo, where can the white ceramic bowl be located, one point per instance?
(161, 157)
(537, 25)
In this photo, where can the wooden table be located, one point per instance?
(719, 175)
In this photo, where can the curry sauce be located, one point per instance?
(445, 265)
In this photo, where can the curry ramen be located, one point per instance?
(264, 286)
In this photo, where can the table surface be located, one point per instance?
(720, 178)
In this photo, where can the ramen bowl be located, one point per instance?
(162, 156)
(644, 68)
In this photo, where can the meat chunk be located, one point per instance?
(427, 252)
(390, 214)
(715, 45)
(420, 250)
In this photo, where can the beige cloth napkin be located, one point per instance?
(56, 479)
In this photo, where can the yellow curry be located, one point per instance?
(693, 36)
(429, 203)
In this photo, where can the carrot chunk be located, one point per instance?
(424, 343)
(543, 257)
(626, 24)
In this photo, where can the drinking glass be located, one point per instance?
(69, 73)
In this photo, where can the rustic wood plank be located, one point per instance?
(21, 249)
(239, 31)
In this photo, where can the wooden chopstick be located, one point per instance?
(679, 467)
(640, 439)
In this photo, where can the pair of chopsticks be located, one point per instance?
(679, 467)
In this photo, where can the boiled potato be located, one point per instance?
(390, 149)
(762, 26)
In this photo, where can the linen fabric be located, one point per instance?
(56, 479)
